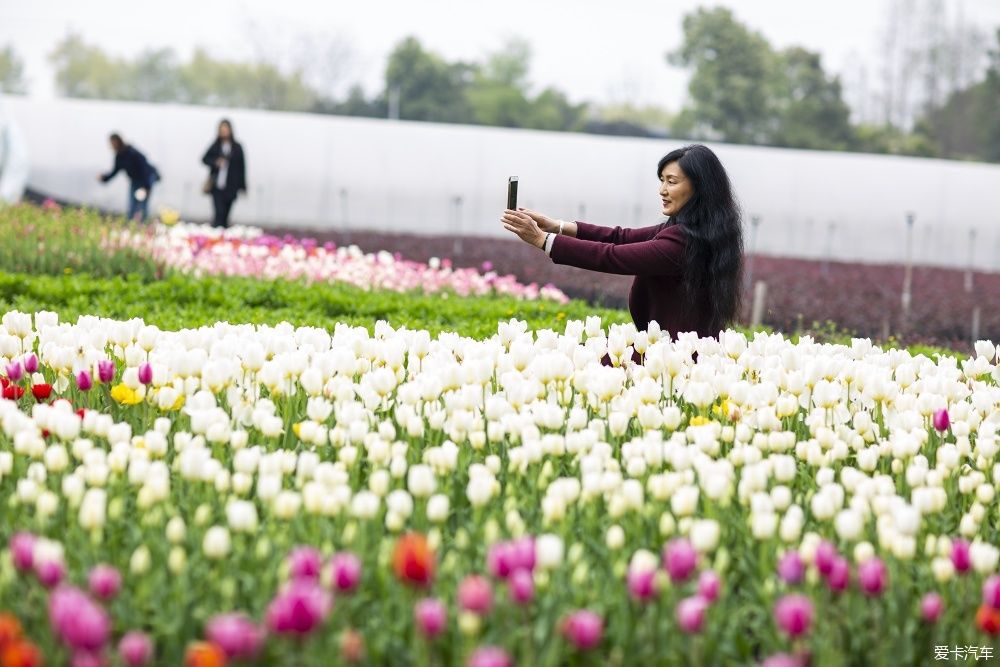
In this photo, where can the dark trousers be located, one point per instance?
(138, 210)
(223, 202)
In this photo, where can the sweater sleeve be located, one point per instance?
(616, 235)
(659, 256)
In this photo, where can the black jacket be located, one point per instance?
(236, 179)
(140, 172)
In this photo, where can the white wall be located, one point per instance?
(333, 172)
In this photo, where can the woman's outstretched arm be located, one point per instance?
(662, 255)
(616, 235)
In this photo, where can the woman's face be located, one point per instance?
(675, 188)
(225, 132)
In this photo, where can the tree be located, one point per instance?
(732, 79)
(12, 72)
(429, 88)
(810, 109)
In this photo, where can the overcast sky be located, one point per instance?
(592, 49)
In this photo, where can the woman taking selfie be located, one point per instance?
(227, 177)
(688, 269)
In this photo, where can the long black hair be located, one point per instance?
(712, 221)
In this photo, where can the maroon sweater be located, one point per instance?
(655, 256)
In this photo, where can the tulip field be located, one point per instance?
(186, 479)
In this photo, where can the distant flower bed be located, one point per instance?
(248, 251)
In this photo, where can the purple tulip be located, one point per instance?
(77, 620)
(872, 576)
(690, 613)
(105, 582)
(299, 608)
(346, 569)
(991, 592)
(680, 559)
(794, 614)
(237, 635)
(31, 363)
(431, 617)
(22, 550)
(641, 584)
(709, 586)
(521, 587)
(135, 649)
(942, 422)
(105, 370)
(305, 563)
(825, 555)
(931, 606)
(145, 373)
(584, 629)
(475, 595)
(489, 656)
(84, 381)
(840, 575)
(791, 569)
(15, 371)
(960, 556)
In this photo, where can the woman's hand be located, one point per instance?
(524, 226)
(544, 222)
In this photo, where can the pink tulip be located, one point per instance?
(31, 363)
(931, 606)
(22, 550)
(87, 659)
(839, 577)
(105, 582)
(680, 559)
(105, 370)
(299, 608)
(709, 585)
(475, 595)
(791, 569)
(499, 560)
(237, 635)
(794, 614)
(346, 571)
(782, 660)
(960, 556)
(489, 656)
(15, 371)
(50, 573)
(521, 587)
(522, 554)
(431, 617)
(991, 592)
(825, 555)
(84, 382)
(145, 373)
(942, 422)
(641, 584)
(584, 629)
(136, 649)
(78, 621)
(691, 613)
(872, 576)
(304, 563)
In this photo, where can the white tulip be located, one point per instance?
(216, 543)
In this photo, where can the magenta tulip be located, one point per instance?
(236, 634)
(794, 614)
(346, 570)
(942, 422)
(690, 614)
(431, 617)
(584, 629)
(50, 573)
(991, 592)
(77, 620)
(839, 577)
(105, 370)
(105, 582)
(791, 569)
(709, 585)
(680, 559)
(641, 584)
(299, 609)
(22, 550)
(931, 606)
(489, 656)
(521, 586)
(136, 649)
(825, 555)
(15, 371)
(872, 576)
(782, 660)
(475, 595)
(305, 563)
(960, 556)
(31, 363)
(84, 382)
(145, 373)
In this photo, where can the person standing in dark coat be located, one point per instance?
(228, 172)
(141, 175)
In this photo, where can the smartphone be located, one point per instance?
(512, 193)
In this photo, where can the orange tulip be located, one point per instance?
(352, 646)
(204, 654)
(10, 629)
(413, 559)
(20, 653)
(988, 619)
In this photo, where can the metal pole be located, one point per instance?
(828, 253)
(457, 213)
(908, 272)
(754, 223)
(968, 270)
